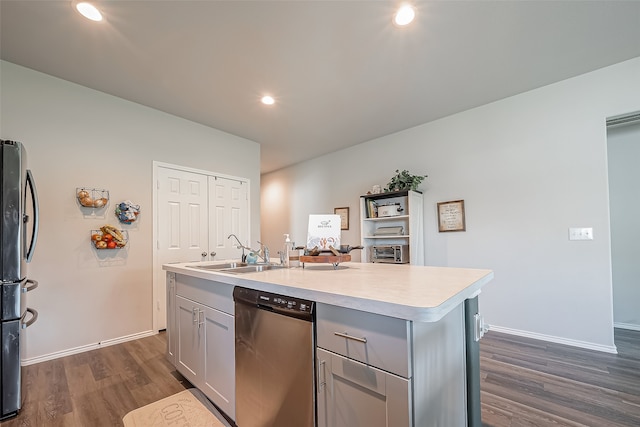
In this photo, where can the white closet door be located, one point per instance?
(182, 223)
(228, 214)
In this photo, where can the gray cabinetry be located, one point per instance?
(375, 370)
(364, 369)
(373, 339)
(353, 394)
(189, 352)
(171, 316)
(205, 339)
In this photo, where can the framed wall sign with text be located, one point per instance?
(344, 217)
(451, 216)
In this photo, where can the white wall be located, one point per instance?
(528, 168)
(80, 137)
(624, 180)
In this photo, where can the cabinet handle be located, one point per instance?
(204, 254)
(201, 322)
(34, 284)
(195, 311)
(479, 327)
(321, 366)
(349, 337)
(34, 317)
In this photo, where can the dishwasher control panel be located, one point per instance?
(282, 304)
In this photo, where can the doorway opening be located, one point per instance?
(623, 154)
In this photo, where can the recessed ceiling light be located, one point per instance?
(404, 15)
(89, 11)
(268, 100)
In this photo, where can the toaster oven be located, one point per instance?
(394, 254)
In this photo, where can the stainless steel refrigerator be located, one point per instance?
(18, 234)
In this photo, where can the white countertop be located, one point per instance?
(417, 293)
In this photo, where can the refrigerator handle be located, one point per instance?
(34, 284)
(36, 216)
(34, 317)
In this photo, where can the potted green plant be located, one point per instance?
(404, 181)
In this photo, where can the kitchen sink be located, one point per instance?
(237, 267)
(222, 266)
(253, 268)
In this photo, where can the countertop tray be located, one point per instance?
(325, 259)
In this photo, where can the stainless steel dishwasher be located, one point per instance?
(275, 372)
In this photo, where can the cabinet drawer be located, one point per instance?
(213, 294)
(373, 339)
(353, 394)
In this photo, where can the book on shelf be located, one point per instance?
(372, 209)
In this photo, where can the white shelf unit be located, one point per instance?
(411, 221)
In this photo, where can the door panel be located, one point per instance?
(323, 389)
(195, 213)
(219, 363)
(272, 382)
(351, 393)
(182, 215)
(182, 225)
(229, 207)
(188, 340)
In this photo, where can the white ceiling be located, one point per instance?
(340, 71)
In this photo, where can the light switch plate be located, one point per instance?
(581, 233)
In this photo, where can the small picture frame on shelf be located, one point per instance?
(451, 216)
(344, 217)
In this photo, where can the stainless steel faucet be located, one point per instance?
(263, 252)
(240, 246)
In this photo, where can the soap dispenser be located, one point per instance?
(288, 246)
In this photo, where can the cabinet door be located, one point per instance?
(189, 344)
(355, 394)
(171, 318)
(219, 360)
(323, 392)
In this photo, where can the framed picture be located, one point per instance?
(344, 217)
(451, 216)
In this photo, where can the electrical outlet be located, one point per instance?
(581, 233)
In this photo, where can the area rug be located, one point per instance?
(187, 408)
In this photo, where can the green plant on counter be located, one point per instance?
(404, 181)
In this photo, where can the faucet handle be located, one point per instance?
(264, 249)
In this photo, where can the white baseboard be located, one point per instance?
(629, 326)
(557, 340)
(82, 349)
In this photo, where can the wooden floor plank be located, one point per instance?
(524, 383)
(549, 384)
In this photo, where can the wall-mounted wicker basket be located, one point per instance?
(102, 239)
(92, 197)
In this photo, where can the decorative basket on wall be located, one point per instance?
(109, 237)
(127, 212)
(92, 197)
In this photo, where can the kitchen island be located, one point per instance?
(409, 367)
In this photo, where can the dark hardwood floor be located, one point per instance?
(525, 382)
(97, 388)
